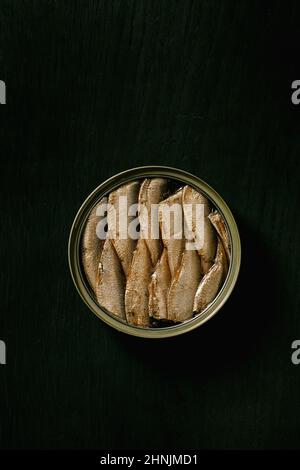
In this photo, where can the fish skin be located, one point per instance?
(174, 246)
(221, 258)
(110, 286)
(152, 191)
(219, 224)
(123, 247)
(137, 292)
(212, 281)
(91, 247)
(159, 288)
(184, 285)
(208, 251)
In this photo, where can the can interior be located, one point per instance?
(174, 183)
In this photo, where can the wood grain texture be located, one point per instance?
(96, 87)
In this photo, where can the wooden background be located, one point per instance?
(95, 87)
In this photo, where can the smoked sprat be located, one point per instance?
(153, 280)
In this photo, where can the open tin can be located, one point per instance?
(180, 178)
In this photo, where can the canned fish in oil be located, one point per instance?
(145, 268)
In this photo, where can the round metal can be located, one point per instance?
(74, 251)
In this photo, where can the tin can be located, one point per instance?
(74, 250)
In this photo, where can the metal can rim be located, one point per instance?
(114, 182)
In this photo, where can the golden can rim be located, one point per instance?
(75, 259)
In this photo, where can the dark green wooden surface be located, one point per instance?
(96, 87)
